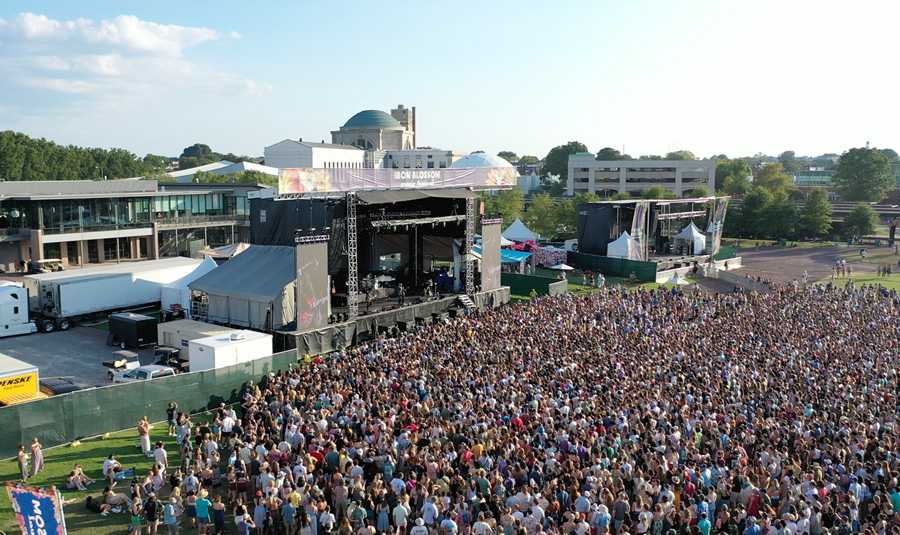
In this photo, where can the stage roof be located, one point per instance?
(661, 201)
(392, 196)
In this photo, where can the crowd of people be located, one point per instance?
(653, 412)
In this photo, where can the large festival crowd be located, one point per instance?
(651, 412)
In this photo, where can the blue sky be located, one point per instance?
(652, 76)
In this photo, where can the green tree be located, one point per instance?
(509, 156)
(658, 192)
(860, 221)
(752, 221)
(681, 155)
(738, 169)
(779, 216)
(609, 153)
(788, 160)
(863, 175)
(541, 216)
(700, 191)
(557, 160)
(815, 218)
(773, 178)
(509, 204)
(737, 185)
(529, 160)
(891, 154)
(620, 196)
(650, 157)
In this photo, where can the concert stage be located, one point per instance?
(366, 326)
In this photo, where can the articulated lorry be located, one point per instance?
(56, 300)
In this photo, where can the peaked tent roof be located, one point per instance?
(517, 231)
(259, 274)
(690, 232)
(623, 247)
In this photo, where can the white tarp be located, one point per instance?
(178, 293)
(695, 239)
(624, 247)
(517, 231)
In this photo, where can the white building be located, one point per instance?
(298, 153)
(223, 167)
(606, 177)
(424, 158)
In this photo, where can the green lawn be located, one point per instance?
(891, 282)
(90, 454)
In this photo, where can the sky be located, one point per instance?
(712, 77)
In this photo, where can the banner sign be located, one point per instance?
(38, 511)
(309, 180)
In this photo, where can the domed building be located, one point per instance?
(375, 130)
(480, 159)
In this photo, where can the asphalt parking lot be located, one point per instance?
(78, 352)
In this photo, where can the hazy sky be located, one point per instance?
(652, 76)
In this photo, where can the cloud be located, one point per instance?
(114, 60)
(125, 31)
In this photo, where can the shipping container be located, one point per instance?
(216, 352)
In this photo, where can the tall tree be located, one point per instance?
(788, 160)
(509, 204)
(541, 216)
(773, 178)
(650, 157)
(700, 191)
(567, 211)
(557, 160)
(891, 154)
(736, 185)
(657, 192)
(863, 175)
(529, 160)
(753, 212)
(860, 221)
(779, 216)
(815, 218)
(738, 169)
(508, 155)
(609, 153)
(681, 155)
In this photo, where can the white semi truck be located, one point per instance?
(55, 300)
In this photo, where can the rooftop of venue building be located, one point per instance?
(372, 119)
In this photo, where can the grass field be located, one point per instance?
(891, 282)
(90, 454)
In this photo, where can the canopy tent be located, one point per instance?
(517, 231)
(507, 256)
(255, 289)
(503, 241)
(178, 293)
(676, 280)
(624, 247)
(226, 251)
(562, 267)
(692, 239)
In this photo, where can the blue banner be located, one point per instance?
(38, 511)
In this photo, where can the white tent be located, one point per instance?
(562, 267)
(517, 231)
(178, 293)
(694, 239)
(624, 247)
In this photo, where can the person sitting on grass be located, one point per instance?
(115, 502)
(75, 482)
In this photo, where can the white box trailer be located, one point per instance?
(216, 352)
(179, 333)
(55, 299)
(18, 380)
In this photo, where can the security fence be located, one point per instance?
(61, 419)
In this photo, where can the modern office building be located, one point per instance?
(607, 177)
(84, 222)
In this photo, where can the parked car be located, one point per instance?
(143, 373)
(53, 386)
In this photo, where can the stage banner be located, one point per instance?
(490, 254)
(311, 288)
(38, 511)
(309, 180)
(716, 224)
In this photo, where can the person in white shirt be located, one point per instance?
(400, 514)
(327, 520)
(449, 527)
(419, 528)
(160, 455)
(481, 527)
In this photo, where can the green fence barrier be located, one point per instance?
(725, 252)
(616, 267)
(61, 419)
(523, 284)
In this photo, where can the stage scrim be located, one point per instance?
(312, 282)
(490, 254)
(309, 180)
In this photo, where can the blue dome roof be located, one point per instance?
(372, 119)
(480, 159)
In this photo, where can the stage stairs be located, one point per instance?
(467, 302)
